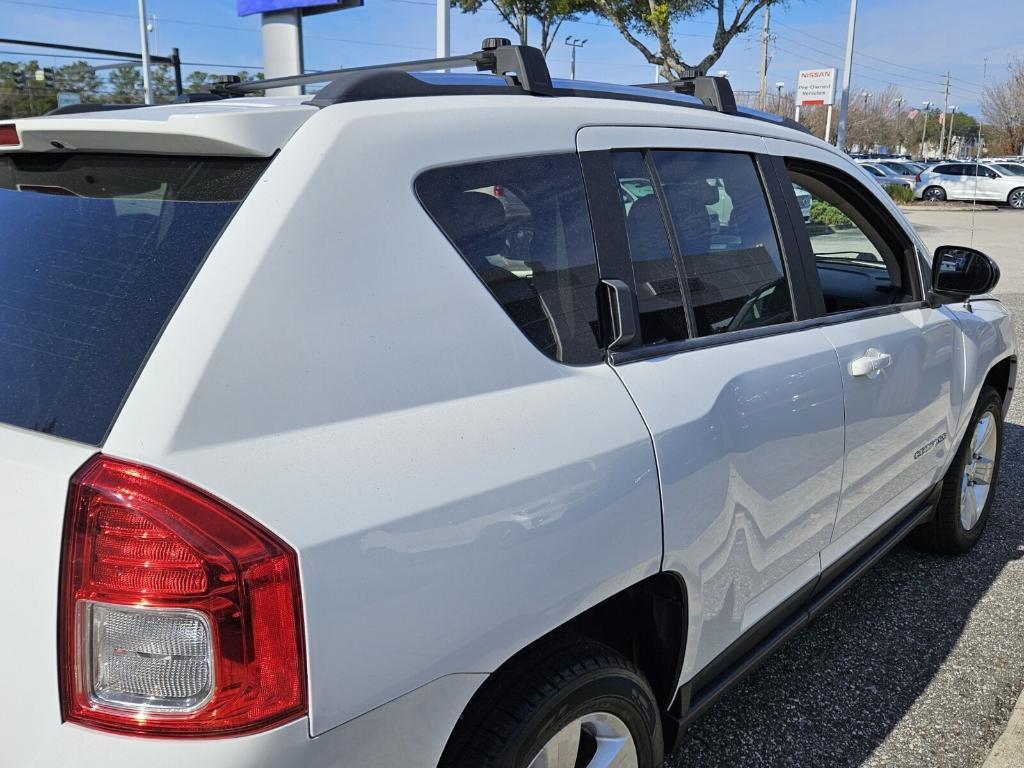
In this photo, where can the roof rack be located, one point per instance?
(522, 66)
(515, 70)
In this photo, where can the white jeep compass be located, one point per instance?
(469, 420)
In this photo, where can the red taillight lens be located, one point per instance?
(179, 614)
(918, 177)
(8, 135)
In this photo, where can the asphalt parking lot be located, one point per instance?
(920, 663)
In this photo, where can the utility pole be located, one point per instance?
(927, 106)
(778, 96)
(844, 101)
(574, 43)
(945, 108)
(762, 95)
(144, 34)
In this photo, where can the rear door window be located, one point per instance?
(731, 262)
(523, 226)
(97, 251)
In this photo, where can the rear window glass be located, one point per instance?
(97, 251)
(524, 228)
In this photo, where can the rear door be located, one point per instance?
(743, 401)
(900, 358)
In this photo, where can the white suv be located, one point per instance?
(382, 428)
(971, 181)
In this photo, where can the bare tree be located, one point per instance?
(655, 18)
(1002, 105)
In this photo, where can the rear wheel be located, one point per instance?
(575, 704)
(1016, 199)
(970, 483)
(934, 194)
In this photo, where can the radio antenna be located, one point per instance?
(977, 153)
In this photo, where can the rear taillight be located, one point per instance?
(8, 135)
(918, 177)
(179, 614)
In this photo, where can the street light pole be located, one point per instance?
(924, 127)
(844, 101)
(444, 30)
(574, 43)
(778, 97)
(144, 35)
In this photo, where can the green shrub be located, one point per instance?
(824, 213)
(900, 193)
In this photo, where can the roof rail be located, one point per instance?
(522, 67)
(75, 109)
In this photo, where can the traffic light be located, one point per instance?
(19, 79)
(45, 76)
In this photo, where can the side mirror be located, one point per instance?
(959, 272)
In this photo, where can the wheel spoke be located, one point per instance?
(969, 509)
(562, 750)
(614, 753)
(983, 469)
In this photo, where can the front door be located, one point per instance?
(744, 403)
(898, 355)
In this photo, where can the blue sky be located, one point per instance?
(906, 43)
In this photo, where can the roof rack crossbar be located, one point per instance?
(524, 67)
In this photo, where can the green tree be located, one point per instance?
(549, 14)
(126, 84)
(636, 19)
(162, 80)
(197, 80)
(79, 77)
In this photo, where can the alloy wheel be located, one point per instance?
(977, 479)
(596, 740)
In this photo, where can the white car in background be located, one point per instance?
(970, 181)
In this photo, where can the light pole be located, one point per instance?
(949, 134)
(844, 100)
(899, 108)
(574, 43)
(926, 105)
(778, 98)
(144, 35)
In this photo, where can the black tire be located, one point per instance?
(1016, 199)
(934, 193)
(946, 532)
(511, 720)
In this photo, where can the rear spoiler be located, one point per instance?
(195, 129)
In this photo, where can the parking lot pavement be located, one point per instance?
(999, 233)
(919, 663)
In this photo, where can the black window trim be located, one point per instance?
(881, 220)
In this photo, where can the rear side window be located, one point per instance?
(523, 226)
(97, 251)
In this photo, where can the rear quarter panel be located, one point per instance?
(339, 373)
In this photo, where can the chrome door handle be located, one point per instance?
(871, 364)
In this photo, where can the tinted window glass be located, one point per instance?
(949, 170)
(731, 262)
(97, 250)
(658, 287)
(523, 226)
(858, 254)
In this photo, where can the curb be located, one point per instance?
(947, 208)
(1008, 751)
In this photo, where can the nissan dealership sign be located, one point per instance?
(816, 87)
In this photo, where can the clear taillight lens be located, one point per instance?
(146, 659)
(179, 614)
